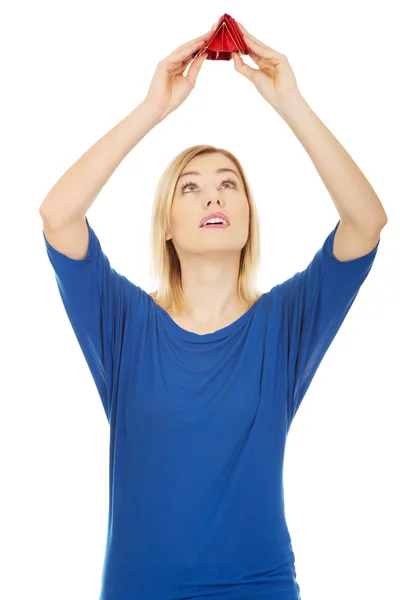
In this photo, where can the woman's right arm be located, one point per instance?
(101, 303)
(71, 197)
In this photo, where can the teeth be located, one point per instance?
(217, 220)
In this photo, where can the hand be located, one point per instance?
(274, 78)
(169, 87)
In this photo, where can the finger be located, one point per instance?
(180, 67)
(262, 51)
(194, 69)
(242, 67)
(255, 57)
(253, 39)
(198, 39)
(253, 43)
(246, 33)
(185, 51)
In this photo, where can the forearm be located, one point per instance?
(352, 194)
(75, 192)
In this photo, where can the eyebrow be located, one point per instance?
(217, 171)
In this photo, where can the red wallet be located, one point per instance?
(227, 38)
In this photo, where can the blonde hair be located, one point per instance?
(164, 260)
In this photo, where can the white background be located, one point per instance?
(71, 71)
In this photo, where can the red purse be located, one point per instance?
(227, 38)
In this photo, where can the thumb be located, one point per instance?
(241, 67)
(195, 68)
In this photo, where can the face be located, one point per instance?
(196, 196)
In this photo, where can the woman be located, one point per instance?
(201, 379)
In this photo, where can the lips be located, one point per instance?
(217, 215)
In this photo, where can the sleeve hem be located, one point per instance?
(328, 250)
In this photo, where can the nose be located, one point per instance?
(214, 197)
(216, 201)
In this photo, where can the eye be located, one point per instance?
(191, 183)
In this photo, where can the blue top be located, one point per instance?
(198, 425)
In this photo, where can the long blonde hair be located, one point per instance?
(164, 260)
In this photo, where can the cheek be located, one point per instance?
(244, 214)
(183, 223)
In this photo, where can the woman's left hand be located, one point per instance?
(274, 78)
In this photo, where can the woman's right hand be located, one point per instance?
(169, 87)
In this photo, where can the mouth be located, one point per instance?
(214, 226)
(213, 219)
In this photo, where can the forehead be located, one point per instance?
(210, 164)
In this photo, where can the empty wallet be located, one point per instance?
(227, 38)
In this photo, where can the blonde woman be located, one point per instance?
(201, 379)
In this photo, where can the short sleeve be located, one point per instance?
(315, 303)
(98, 302)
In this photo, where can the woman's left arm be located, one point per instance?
(361, 212)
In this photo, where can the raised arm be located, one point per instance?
(71, 197)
